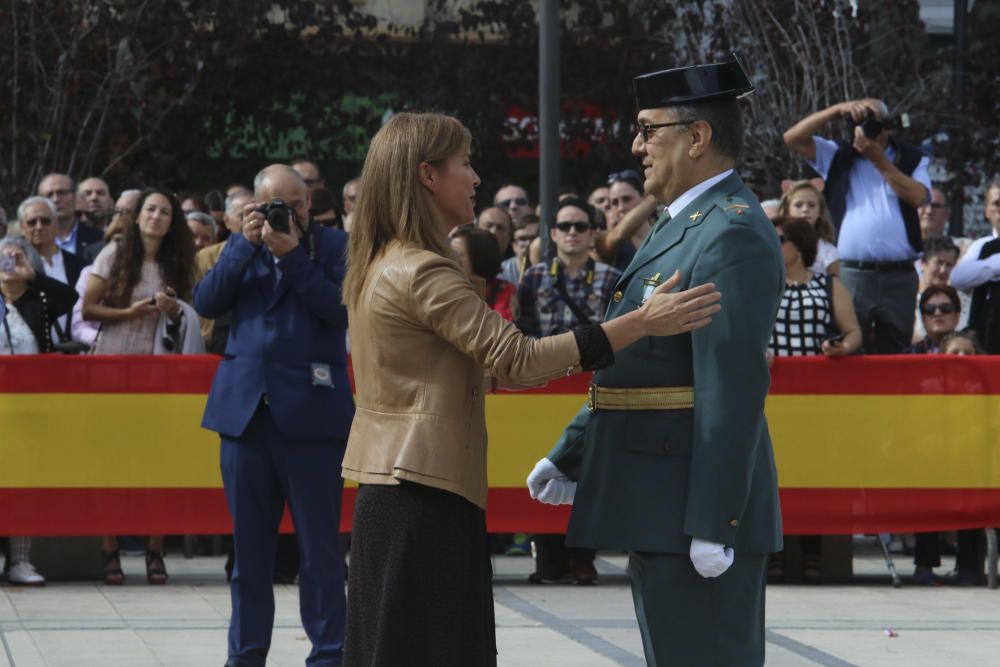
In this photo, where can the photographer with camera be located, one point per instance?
(281, 404)
(874, 185)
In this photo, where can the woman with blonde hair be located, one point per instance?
(423, 338)
(803, 199)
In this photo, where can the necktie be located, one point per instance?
(661, 223)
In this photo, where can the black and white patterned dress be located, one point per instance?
(804, 319)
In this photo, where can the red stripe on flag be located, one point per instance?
(849, 511)
(203, 511)
(112, 374)
(142, 374)
(930, 374)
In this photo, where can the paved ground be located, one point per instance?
(184, 623)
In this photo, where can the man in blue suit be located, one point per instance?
(281, 403)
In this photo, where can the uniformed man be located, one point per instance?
(671, 459)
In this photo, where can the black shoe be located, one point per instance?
(584, 574)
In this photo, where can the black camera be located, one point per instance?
(872, 125)
(279, 215)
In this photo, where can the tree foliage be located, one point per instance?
(152, 91)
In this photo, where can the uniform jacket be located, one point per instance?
(421, 342)
(652, 480)
(286, 340)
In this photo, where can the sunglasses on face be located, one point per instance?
(624, 175)
(943, 308)
(38, 222)
(579, 227)
(513, 201)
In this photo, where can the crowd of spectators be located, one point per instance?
(870, 269)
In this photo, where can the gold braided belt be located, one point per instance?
(639, 398)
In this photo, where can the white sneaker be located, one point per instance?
(23, 574)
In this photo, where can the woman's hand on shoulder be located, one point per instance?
(667, 313)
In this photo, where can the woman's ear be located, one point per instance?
(427, 175)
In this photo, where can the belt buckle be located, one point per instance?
(592, 397)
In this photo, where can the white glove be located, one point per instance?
(709, 558)
(547, 485)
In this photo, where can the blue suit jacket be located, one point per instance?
(281, 329)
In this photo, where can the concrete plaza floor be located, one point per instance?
(184, 623)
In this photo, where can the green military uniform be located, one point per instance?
(650, 480)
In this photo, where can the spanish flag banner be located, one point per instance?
(113, 445)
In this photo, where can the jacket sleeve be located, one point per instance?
(215, 294)
(731, 379)
(442, 298)
(971, 272)
(321, 295)
(567, 454)
(59, 296)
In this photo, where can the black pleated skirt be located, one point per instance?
(419, 584)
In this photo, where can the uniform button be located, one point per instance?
(666, 446)
(734, 523)
(617, 296)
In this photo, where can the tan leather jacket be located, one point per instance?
(420, 342)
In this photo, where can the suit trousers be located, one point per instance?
(885, 305)
(687, 620)
(261, 470)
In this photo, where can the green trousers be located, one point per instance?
(687, 620)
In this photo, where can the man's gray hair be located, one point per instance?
(31, 201)
(29, 252)
(265, 174)
(133, 192)
(231, 202)
(203, 218)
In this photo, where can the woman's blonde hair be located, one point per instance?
(392, 204)
(823, 226)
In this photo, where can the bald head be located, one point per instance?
(279, 181)
(310, 173)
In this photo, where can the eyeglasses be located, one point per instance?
(646, 128)
(630, 175)
(524, 239)
(935, 204)
(56, 193)
(579, 227)
(124, 211)
(36, 222)
(943, 308)
(513, 201)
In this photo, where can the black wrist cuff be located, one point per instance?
(594, 346)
